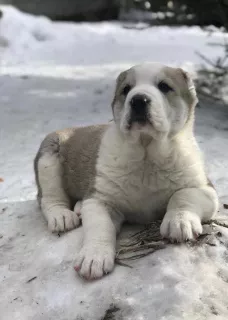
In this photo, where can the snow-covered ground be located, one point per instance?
(56, 75)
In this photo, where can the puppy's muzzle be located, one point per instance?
(139, 108)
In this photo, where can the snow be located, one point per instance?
(55, 75)
(38, 40)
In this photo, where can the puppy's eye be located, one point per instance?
(126, 89)
(164, 87)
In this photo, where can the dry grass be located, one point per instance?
(149, 240)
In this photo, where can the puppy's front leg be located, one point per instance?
(100, 225)
(185, 211)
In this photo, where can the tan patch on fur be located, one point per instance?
(182, 82)
(124, 78)
(78, 154)
(120, 79)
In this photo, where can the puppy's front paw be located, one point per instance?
(95, 261)
(62, 220)
(181, 226)
(77, 208)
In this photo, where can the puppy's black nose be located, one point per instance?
(139, 103)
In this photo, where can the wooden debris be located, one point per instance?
(149, 240)
(30, 280)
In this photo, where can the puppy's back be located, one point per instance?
(78, 153)
(77, 150)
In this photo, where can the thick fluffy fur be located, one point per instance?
(65, 173)
(129, 170)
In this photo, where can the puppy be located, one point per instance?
(145, 165)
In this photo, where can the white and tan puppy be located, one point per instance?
(144, 166)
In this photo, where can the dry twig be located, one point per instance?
(149, 240)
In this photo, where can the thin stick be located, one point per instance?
(120, 263)
(208, 61)
(217, 222)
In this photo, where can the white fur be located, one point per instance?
(77, 208)
(97, 255)
(185, 211)
(166, 117)
(131, 179)
(55, 203)
(146, 179)
(142, 180)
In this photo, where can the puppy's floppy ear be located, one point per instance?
(120, 79)
(188, 89)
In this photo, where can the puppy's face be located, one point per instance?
(153, 99)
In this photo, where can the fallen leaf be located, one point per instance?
(1, 180)
(225, 206)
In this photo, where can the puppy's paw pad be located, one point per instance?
(63, 220)
(94, 262)
(181, 226)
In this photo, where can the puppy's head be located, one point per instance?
(153, 99)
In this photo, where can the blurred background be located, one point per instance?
(187, 12)
(210, 15)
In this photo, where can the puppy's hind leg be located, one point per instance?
(54, 202)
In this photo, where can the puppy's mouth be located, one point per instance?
(139, 111)
(138, 121)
